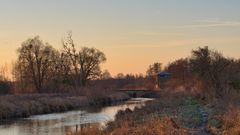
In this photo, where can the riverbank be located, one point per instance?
(176, 114)
(170, 114)
(23, 106)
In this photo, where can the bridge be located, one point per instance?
(141, 93)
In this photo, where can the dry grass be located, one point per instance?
(152, 126)
(224, 114)
(19, 106)
(94, 130)
(165, 116)
(232, 121)
(176, 112)
(226, 123)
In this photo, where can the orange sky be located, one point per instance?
(133, 34)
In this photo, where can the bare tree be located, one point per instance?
(59, 71)
(35, 58)
(105, 75)
(152, 76)
(201, 61)
(180, 71)
(120, 76)
(4, 73)
(85, 63)
(70, 50)
(89, 62)
(154, 69)
(5, 85)
(212, 67)
(20, 75)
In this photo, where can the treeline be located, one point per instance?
(5, 83)
(41, 68)
(124, 82)
(206, 73)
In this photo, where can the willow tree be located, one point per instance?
(34, 57)
(89, 62)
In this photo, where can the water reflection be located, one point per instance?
(62, 123)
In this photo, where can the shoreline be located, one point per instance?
(14, 107)
(166, 115)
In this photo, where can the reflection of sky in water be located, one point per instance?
(61, 123)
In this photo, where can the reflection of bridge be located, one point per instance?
(138, 93)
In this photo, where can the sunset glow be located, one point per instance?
(132, 33)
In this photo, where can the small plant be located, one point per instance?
(232, 121)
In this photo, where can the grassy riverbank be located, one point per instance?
(21, 106)
(174, 114)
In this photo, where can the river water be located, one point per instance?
(63, 123)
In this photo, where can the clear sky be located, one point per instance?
(132, 33)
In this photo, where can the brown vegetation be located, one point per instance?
(169, 115)
(202, 95)
(205, 80)
(173, 114)
(231, 121)
(41, 68)
(18, 106)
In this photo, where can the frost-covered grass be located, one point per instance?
(18, 106)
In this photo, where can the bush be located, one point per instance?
(5, 87)
(235, 84)
(232, 121)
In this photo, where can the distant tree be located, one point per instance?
(182, 76)
(139, 76)
(34, 60)
(212, 67)
(120, 76)
(234, 74)
(179, 69)
(85, 63)
(20, 76)
(201, 61)
(5, 85)
(3, 73)
(152, 78)
(154, 69)
(105, 75)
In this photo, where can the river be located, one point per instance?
(63, 123)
